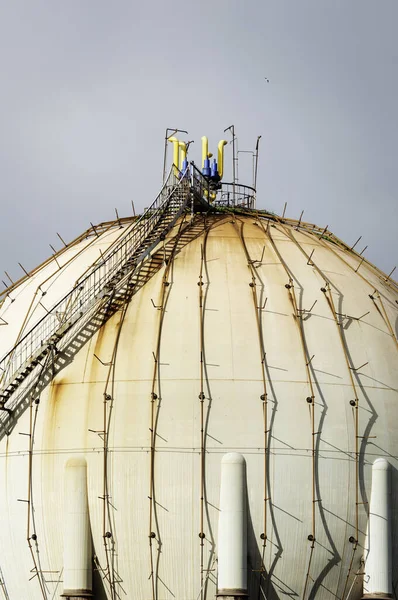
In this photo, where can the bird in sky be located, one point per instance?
(266, 79)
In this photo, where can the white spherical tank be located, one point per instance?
(246, 336)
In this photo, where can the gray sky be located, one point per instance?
(88, 89)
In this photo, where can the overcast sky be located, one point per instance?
(88, 88)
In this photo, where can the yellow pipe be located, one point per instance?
(211, 195)
(183, 153)
(176, 150)
(221, 145)
(205, 149)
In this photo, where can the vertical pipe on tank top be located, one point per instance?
(183, 155)
(77, 574)
(205, 150)
(176, 152)
(378, 562)
(232, 528)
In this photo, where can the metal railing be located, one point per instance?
(200, 184)
(222, 194)
(129, 250)
(236, 195)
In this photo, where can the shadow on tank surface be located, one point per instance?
(258, 579)
(98, 585)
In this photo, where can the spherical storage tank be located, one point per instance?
(200, 403)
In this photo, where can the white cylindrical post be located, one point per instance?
(378, 563)
(77, 534)
(232, 528)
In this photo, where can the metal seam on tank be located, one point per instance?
(329, 297)
(156, 399)
(307, 361)
(264, 397)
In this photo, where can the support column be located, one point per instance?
(77, 574)
(232, 528)
(378, 562)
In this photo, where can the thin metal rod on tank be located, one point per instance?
(386, 318)
(231, 128)
(24, 270)
(390, 273)
(9, 277)
(353, 246)
(256, 162)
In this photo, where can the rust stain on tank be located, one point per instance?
(53, 400)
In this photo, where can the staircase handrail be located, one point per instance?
(72, 306)
(173, 178)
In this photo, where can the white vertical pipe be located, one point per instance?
(77, 535)
(378, 565)
(232, 527)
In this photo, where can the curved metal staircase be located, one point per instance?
(96, 294)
